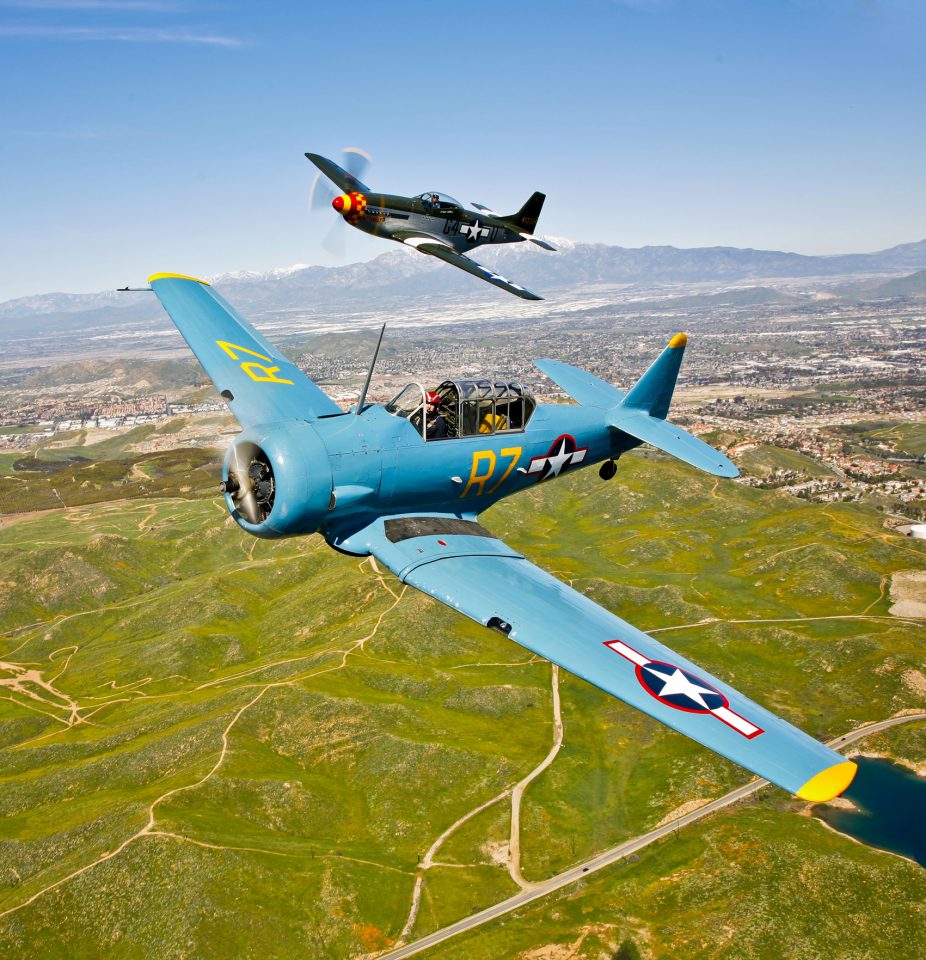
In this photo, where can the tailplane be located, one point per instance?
(641, 413)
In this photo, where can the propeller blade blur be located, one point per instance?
(356, 161)
(334, 241)
(321, 193)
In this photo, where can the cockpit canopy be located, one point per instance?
(468, 407)
(439, 201)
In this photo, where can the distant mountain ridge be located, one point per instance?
(397, 276)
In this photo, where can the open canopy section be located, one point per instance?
(466, 408)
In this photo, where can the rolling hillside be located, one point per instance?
(217, 746)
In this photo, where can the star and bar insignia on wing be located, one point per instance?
(682, 690)
(563, 453)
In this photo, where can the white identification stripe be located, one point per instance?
(418, 241)
(537, 465)
(618, 646)
(578, 456)
(738, 723)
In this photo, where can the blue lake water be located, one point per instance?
(891, 813)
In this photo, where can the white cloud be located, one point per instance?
(161, 6)
(119, 34)
(77, 5)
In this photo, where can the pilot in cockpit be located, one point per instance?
(436, 428)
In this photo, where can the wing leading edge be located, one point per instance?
(259, 383)
(338, 175)
(465, 567)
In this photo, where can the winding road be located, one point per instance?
(622, 850)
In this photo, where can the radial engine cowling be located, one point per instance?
(277, 480)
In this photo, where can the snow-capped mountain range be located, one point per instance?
(401, 279)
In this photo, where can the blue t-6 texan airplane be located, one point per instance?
(406, 482)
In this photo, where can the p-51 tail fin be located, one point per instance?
(525, 220)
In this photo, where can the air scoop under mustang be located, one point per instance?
(370, 481)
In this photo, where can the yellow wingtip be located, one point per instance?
(828, 783)
(175, 276)
(679, 340)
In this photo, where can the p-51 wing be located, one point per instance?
(459, 563)
(259, 383)
(338, 175)
(434, 248)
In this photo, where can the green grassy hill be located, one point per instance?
(764, 460)
(143, 376)
(212, 746)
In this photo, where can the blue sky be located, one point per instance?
(152, 135)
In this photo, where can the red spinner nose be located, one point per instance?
(338, 203)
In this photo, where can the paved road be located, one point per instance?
(617, 853)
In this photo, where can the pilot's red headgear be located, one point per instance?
(432, 397)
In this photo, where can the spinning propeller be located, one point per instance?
(250, 483)
(323, 194)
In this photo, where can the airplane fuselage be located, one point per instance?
(366, 466)
(387, 215)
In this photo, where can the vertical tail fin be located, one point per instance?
(526, 218)
(642, 414)
(652, 393)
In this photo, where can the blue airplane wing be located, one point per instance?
(461, 564)
(259, 383)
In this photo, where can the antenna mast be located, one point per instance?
(366, 386)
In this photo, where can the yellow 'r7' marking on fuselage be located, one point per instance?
(479, 480)
(515, 454)
(476, 478)
(250, 367)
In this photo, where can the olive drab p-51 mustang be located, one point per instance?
(376, 480)
(434, 223)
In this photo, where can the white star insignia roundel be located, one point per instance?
(563, 453)
(682, 690)
(474, 231)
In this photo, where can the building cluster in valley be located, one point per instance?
(42, 418)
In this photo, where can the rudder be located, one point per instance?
(652, 393)
(526, 218)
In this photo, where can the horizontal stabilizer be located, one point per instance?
(582, 386)
(540, 243)
(673, 440)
